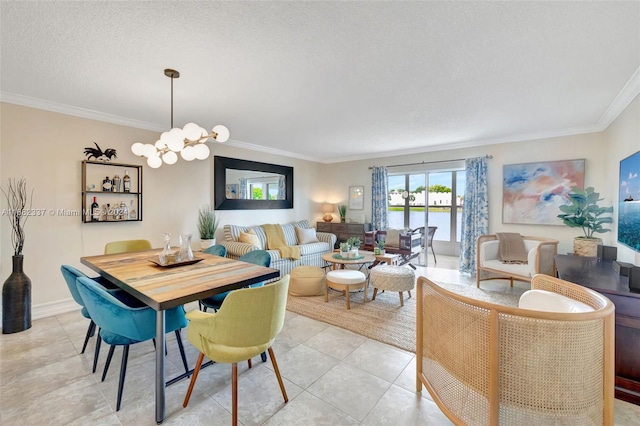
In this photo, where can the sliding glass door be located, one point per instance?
(429, 198)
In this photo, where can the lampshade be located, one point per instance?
(327, 209)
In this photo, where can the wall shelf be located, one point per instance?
(110, 202)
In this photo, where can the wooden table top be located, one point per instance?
(164, 288)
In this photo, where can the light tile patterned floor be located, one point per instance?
(332, 377)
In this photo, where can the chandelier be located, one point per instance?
(189, 141)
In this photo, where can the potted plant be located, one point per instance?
(344, 249)
(207, 226)
(379, 248)
(355, 243)
(16, 290)
(584, 212)
(342, 210)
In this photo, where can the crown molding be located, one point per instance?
(269, 150)
(28, 101)
(628, 93)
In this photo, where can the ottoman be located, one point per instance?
(392, 278)
(306, 281)
(345, 280)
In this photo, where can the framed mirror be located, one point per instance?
(250, 185)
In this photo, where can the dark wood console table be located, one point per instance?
(601, 277)
(344, 231)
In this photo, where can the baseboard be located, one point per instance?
(46, 310)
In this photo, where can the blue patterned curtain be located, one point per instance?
(242, 190)
(281, 187)
(379, 194)
(475, 212)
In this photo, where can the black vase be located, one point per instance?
(16, 300)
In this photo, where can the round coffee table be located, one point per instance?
(339, 263)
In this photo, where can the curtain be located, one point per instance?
(242, 190)
(281, 187)
(379, 194)
(475, 212)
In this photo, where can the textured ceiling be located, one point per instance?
(330, 81)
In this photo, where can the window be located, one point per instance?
(263, 189)
(408, 200)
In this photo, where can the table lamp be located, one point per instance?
(327, 208)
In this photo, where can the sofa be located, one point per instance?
(310, 252)
(541, 259)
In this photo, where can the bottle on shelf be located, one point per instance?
(116, 183)
(95, 211)
(133, 214)
(126, 181)
(107, 185)
(124, 211)
(103, 213)
(109, 212)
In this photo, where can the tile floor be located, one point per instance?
(332, 377)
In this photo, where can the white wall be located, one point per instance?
(47, 148)
(340, 176)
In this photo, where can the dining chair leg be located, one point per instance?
(181, 347)
(196, 370)
(234, 394)
(97, 352)
(277, 371)
(108, 363)
(434, 255)
(249, 363)
(263, 356)
(90, 332)
(123, 372)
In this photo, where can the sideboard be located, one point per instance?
(343, 231)
(601, 277)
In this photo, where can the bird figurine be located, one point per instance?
(98, 154)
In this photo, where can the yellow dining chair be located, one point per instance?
(126, 246)
(245, 326)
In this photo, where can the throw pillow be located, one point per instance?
(306, 236)
(250, 238)
(393, 237)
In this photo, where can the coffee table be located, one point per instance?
(339, 263)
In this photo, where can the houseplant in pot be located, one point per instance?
(354, 243)
(342, 210)
(16, 290)
(207, 226)
(584, 212)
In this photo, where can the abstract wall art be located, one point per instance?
(533, 192)
(629, 202)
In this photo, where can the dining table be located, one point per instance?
(165, 287)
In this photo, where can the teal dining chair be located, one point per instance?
(70, 275)
(122, 325)
(216, 250)
(257, 257)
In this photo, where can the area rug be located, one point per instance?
(383, 319)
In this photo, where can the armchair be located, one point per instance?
(246, 324)
(396, 241)
(541, 260)
(489, 364)
(126, 246)
(122, 325)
